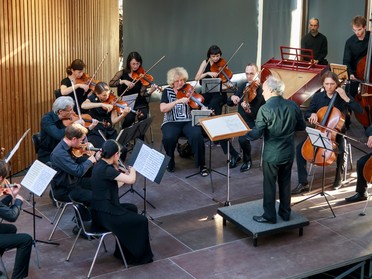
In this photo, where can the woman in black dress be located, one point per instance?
(121, 218)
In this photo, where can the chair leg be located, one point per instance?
(59, 218)
(3, 268)
(73, 245)
(121, 251)
(95, 256)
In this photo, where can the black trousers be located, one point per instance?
(10, 239)
(361, 185)
(272, 174)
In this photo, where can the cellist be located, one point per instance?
(343, 101)
(361, 184)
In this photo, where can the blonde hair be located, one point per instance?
(176, 74)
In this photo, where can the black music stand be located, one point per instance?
(36, 181)
(320, 140)
(211, 85)
(132, 133)
(151, 164)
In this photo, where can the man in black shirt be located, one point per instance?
(316, 41)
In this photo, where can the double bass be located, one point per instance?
(364, 96)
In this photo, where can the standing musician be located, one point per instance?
(122, 219)
(10, 208)
(361, 185)
(343, 101)
(249, 99)
(70, 178)
(124, 81)
(53, 125)
(75, 73)
(216, 100)
(177, 121)
(277, 121)
(316, 41)
(99, 108)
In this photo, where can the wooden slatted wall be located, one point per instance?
(38, 40)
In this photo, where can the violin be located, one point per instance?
(146, 79)
(331, 118)
(85, 117)
(6, 187)
(85, 149)
(86, 79)
(120, 106)
(223, 72)
(195, 100)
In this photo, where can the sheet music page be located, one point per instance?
(15, 148)
(319, 139)
(224, 125)
(38, 177)
(148, 162)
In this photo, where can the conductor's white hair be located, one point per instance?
(275, 85)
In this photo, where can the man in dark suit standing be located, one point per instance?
(277, 121)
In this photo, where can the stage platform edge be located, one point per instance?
(241, 216)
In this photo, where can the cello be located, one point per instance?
(329, 117)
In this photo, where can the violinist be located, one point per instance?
(214, 100)
(249, 99)
(321, 99)
(52, 126)
(124, 80)
(122, 219)
(74, 73)
(10, 208)
(100, 109)
(177, 121)
(361, 184)
(71, 178)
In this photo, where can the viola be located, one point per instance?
(331, 118)
(250, 94)
(6, 187)
(85, 149)
(86, 79)
(146, 79)
(85, 117)
(195, 100)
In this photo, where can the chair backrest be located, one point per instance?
(84, 217)
(36, 141)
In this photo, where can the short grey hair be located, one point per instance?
(61, 103)
(275, 85)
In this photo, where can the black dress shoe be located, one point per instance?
(261, 219)
(246, 166)
(234, 161)
(300, 188)
(357, 197)
(284, 218)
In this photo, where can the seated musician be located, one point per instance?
(75, 72)
(321, 99)
(249, 99)
(124, 81)
(122, 219)
(215, 100)
(177, 121)
(106, 113)
(361, 185)
(70, 178)
(53, 126)
(10, 208)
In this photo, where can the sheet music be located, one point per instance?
(38, 177)
(319, 138)
(15, 148)
(148, 162)
(130, 100)
(224, 125)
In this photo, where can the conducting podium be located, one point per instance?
(226, 126)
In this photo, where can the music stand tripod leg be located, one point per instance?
(132, 190)
(144, 211)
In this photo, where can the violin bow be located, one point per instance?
(224, 66)
(99, 66)
(105, 139)
(76, 101)
(146, 72)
